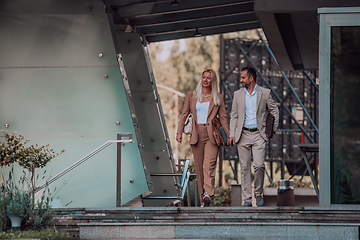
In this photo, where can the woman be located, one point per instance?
(204, 104)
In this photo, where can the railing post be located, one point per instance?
(196, 193)
(188, 194)
(118, 166)
(118, 172)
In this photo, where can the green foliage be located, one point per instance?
(42, 213)
(31, 234)
(18, 200)
(14, 150)
(222, 197)
(4, 199)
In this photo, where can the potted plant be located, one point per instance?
(20, 196)
(18, 199)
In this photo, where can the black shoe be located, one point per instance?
(247, 204)
(259, 201)
(207, 200)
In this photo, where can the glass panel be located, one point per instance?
(345, 115)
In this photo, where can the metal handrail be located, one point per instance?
(82, 160)
(311, 80)
(287, 80)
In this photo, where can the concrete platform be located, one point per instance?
(213, 223)
(304, 197)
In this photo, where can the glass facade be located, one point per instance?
(345, 115)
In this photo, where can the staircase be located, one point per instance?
(211, 223)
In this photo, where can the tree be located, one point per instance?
(182, 71)
(13, 150)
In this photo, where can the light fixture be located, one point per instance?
(174, 3)
(197, 33)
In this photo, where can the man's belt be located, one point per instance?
(250, 129)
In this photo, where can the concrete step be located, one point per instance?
(212, 222)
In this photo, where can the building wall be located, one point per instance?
(54, 58)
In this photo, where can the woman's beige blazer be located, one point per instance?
(190, 107)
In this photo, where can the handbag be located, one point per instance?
(188, 126)
(219, 132)
(269, 130)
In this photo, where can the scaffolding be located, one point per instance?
(296, 94)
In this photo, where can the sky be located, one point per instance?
(165, 53)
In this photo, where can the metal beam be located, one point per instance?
(196, 14)
(311, 80)
(287, 80)
(194, 22)
(153, 8)
(277, 96)
(204, 31)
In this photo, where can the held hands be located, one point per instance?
(179, 137)
(231, 141)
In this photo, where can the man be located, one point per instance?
(250, 107)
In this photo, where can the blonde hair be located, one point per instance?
(214, 88)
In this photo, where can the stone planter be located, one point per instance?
(15, 221)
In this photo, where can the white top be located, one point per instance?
(202, 110)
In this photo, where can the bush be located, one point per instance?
(42, 213)
(18, 199)
(222, 197)
(4, 198)
(19, 196)
(43, 234)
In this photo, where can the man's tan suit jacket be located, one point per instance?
(264, 105)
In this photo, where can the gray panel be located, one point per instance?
(162, 186)
(159, 164)
(69, 35)
(147, 112)
(159, 161)
(64, 101)
(53, 106)
(131, 49)
(146, 109)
